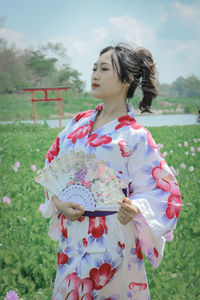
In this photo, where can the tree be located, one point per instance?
(40, 65)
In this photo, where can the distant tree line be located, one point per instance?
(181, 87)
(46, 66)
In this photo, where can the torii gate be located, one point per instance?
(45, 90)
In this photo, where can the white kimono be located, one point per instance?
(98, 257)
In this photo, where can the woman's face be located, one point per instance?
(105, 83)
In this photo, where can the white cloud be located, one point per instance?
(187, 12)
(133, 31)
(73, 45)
(12, 37)
(100, 34)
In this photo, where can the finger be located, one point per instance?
(75, 205)
(76, 213)
(75, 217)
(123, 213)
(127, 200)
(128, 208)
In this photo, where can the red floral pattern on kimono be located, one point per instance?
(75, 288)
(124, 148)
(102, 275)
(80, 132)
(167, 182)
(54, 150)
(97, 226)
(95, 141)
(84, 114)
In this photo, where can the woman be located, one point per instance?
(101, 257)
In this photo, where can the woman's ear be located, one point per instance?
(128, 84)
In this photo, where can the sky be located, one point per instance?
(169, 29)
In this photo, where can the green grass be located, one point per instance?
(19, 107)
(28, 256)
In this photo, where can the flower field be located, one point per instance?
(27, 254)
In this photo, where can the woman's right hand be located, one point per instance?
(71, 210)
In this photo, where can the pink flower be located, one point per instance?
(39, 171)
(185, 144)
(41, 207)
(172, 169)
(186, 153)
(195, 140)
(193, 154)
(198, 149)
(6, 199)
(179, 145)
(175, 172)
(15, 169)
(191, 168)
(160, 146)
(11, 295)
(87, 184)
(169, 236)
(17, 164)
(165, 153)
(182, 165)
(192, 149)
(33, 167)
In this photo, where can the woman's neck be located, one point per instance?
(113, 109)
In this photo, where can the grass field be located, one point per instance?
(28, 256)
(19, 107)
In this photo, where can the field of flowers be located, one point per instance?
(28, 256)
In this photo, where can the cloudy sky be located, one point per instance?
(170, 29)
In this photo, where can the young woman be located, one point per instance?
(100, 257)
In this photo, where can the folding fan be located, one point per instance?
(83, 179)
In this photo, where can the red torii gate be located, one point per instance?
(45, 90)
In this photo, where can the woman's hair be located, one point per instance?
(137, 68)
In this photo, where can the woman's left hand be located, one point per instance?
(127, 211)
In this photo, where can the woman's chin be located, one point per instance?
(95, 94)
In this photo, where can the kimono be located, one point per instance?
(98, 257)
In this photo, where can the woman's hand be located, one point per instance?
(127, 211)
(71, 210)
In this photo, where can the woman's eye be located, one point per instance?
(103, 69)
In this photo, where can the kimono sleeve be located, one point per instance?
(156, 193)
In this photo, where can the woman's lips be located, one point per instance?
(94, 86)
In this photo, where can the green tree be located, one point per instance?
(40, 65)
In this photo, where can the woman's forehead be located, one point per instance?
(105, 58)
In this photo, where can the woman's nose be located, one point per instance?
(96, 75)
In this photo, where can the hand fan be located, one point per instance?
(84, 179)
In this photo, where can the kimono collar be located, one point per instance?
(129, 107)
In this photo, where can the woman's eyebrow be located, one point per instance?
(103, 63)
